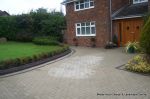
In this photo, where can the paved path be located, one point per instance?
(87, 74)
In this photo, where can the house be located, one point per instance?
(4, 13)
(97, 21)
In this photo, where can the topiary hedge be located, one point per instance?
(46, 41)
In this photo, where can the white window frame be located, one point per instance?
(79, 26)
(84, 2)
(139, 1)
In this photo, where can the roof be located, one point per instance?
(68, 1)
(3, 13)
(131, 11)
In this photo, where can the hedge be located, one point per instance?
(36, 23)
(46, 41)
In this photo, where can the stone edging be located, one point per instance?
(34, 64)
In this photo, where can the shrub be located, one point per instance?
(45, 41)
(132, 47)
(145, 38)
(138, 64)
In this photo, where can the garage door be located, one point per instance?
(130, 30)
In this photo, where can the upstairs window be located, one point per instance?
(139, 1)
(84, 4)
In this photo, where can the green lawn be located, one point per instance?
(12, 50)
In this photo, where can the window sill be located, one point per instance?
(85, 35)
(139, 2)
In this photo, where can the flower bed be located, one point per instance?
(138, 64)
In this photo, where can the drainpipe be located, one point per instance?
(110, 5)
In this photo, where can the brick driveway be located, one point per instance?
(87, 74)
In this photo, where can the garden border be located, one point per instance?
(33, 64)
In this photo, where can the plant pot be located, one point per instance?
(131, 50)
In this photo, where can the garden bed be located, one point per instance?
(138, 64)
(16, 56)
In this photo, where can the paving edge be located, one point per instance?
(36, 65)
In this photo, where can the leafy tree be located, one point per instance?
(145, 38)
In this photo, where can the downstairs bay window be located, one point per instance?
(85, 29)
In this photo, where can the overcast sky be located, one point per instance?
(24, 6)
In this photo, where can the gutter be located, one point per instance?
(64, 3)
(110, 5)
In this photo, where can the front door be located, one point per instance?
(130, 30)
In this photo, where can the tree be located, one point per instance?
(145, 38)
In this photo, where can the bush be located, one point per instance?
(138, 64)
(132, 47)
(45, 41)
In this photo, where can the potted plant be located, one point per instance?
(132, 47)
(93, 40)
(115, 40)
(109, 45)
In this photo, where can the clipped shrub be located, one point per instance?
(45, 41)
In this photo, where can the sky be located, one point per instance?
(24, 6)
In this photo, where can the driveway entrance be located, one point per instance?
(90, 73)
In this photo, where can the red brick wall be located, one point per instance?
(117, 4)
(99, 14)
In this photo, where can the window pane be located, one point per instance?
(87, 5)
(78, 24)
(82, 6)
(87, 0)
(78, 31)
(82, 24)
(87, 30)
(82, 1)
(93, 30)
(92, 23)
(77, 7)
(83, 30)
(77, 2)
(88, 24)
(91, 4)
